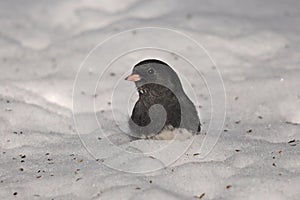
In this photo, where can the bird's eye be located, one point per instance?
(150, 71)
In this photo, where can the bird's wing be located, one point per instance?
(190, 118)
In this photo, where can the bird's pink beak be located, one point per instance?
(133, 77)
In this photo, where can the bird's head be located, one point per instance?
(157, 72)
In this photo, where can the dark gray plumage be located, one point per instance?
(158, 84)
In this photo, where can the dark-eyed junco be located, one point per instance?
(162, 101)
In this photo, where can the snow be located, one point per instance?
(255, 45)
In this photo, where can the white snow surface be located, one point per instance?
(255, 45)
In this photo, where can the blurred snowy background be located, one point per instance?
(256, 46)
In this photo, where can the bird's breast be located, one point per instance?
(142, 91)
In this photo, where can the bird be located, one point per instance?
(162, 102)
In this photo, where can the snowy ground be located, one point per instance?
(256, 47)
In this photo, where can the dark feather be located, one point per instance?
(161, 87)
